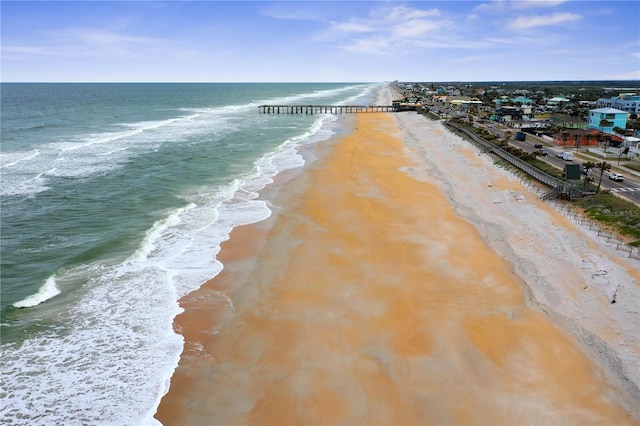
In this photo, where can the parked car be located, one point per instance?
(538, 145)
(616, 176)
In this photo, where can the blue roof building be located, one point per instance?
(614, 118)
(522, 100)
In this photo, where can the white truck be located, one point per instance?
(566, 156)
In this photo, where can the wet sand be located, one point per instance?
(368, 300)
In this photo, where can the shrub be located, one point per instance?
(611, 210)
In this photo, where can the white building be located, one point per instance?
(633, 144)
(628, 102)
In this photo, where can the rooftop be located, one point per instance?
(608, 111)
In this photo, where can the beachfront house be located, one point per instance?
(505, 114)
(605, 119)
(410, 104)
(566, 121)
(557, 102)
(461, 102)
(576, 137)
(627, 102)
(633, 144)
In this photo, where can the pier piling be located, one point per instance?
(324, 109)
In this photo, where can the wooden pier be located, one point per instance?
(324, 109)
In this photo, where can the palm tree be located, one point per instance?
(633, 124)
(589, 137)
(604, 137)
(602, 166)
(607, 141)
(507, 136)
(604, 123)
(552, 129)
(588, 166)
(619, 130)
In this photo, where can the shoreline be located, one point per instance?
(208, 308)
(251, 259)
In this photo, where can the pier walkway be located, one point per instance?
(325, 109)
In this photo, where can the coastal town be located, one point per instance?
(602, 121)
(582, 139)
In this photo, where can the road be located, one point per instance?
(629, 188)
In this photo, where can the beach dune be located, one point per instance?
(367, 299)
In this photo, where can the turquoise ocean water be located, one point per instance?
(114, 201)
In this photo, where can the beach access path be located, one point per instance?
(405, 279)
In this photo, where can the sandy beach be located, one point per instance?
(405, 279)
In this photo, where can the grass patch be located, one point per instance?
(622, 215)
(633, 166)
(546, 167)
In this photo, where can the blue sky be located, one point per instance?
(319, 41)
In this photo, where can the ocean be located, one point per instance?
(115, 199)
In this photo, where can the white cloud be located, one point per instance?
(86, 43)
(28, 50)
(386, 29)
(94, 42)
(373, 45)
(105, 38)
(535, 4)
(498, 6)
(403, 13)
(291, 11)
(414, 28)
(450, 43)
(351, 27)
(525, 22)
(503, 6)
(475, 58)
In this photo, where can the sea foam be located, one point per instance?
(48, 290)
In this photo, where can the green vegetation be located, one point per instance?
(602, 166)
(612, 211)
(633, 166)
